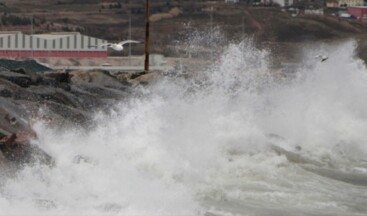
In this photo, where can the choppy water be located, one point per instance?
(236, 140)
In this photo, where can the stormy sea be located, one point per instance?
(235, 138)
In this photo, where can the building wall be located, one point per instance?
(15, 44)
(358, 12)
(351, 2)
(51, 53)
(314, 11)
(332, 3)
(283, 3)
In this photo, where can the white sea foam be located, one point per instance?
(191, 146)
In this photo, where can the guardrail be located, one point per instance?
(113, 68)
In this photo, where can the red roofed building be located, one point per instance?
(360, 12)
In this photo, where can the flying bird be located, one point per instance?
(117, 46)
(322, 57)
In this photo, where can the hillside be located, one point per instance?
(172, 22)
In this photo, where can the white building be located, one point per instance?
(231, 1)
(347, 3)
(281, 3)
(15, 44)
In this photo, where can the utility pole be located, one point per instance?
(129, 33)
(243, 26)
(211, 33)
(146, 63)
(32, 37)
(243, 38)
(129, 38)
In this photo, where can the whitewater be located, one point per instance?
(237, 138)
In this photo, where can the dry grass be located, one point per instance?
(159, 16)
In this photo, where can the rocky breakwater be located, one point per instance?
(59, 99)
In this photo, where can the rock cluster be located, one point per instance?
(57, 97)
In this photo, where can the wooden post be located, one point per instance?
(146, 63)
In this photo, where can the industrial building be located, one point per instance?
(15, 44)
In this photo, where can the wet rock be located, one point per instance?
(68, 114)
(19, 79)
(55, 94)
(98, 78)
(63, 99)
(61, 77)
(27, 65)
(124, 78)
(144, 79)
(8, 84)
(17, 92)
(37, 155)
(134, 79)
(13, 117)
(47, 81)
(88, 100)
(15, 148)
(4, 91)
(136, 75)
(103, 92)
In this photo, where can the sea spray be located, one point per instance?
(189, 146)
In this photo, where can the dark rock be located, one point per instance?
(88, 100)
(62, 99)
(36, 154)
(54, 83)
(19, 70)
(24, 94)
(136, 75)
(19, 79)
(13, 116)
(4, 91)
(134, 79)
(11, 86)
(65, 86)
(35, 78)
(55, 94)
(26, 66)
(17, 92)
(99, 78)
(15, 149)
(61, 77)
(103, 92)
(67, 113)
(47, 81)
(144, 79)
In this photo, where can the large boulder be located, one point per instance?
(20, 79)
(13, 117)
(98, 78)
(30, 66)
(135, 79)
